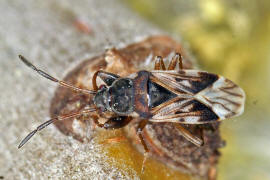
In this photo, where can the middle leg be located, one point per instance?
(107, 77)
(140, 128)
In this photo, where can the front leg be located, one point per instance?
(114, 122)
(107, 77)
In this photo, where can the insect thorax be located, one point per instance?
(118, 98)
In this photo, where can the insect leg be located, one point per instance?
(172, 65)
(59, 118)
(140, 128)
(202, 135)
(61, 83)
(142, 124)
(114, 122)
(108, 78)
(159, 62)
(191, 138)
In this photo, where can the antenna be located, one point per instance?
(59, 118)
(61, 83)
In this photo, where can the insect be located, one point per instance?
(162, 95)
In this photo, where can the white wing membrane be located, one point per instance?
(224, 97)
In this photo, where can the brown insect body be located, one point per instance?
(197, 97)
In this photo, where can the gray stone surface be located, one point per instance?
(44, 32)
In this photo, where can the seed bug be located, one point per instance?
(156, 48)
(161, 95)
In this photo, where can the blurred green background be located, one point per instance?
(231, 38)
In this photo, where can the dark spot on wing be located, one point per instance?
(197, 84)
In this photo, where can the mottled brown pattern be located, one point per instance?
(163, 139)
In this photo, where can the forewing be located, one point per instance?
(186, 111)
(202, 97)
(184, 81)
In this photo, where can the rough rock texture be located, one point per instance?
(44, 31)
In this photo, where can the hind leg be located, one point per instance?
(190, 137)
(159, 63)
(172, 65)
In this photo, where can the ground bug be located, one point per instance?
(124, 62)
(161, 95)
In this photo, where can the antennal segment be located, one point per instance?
(59, 118)
(61, 83)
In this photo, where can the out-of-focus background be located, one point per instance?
(231, 38)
